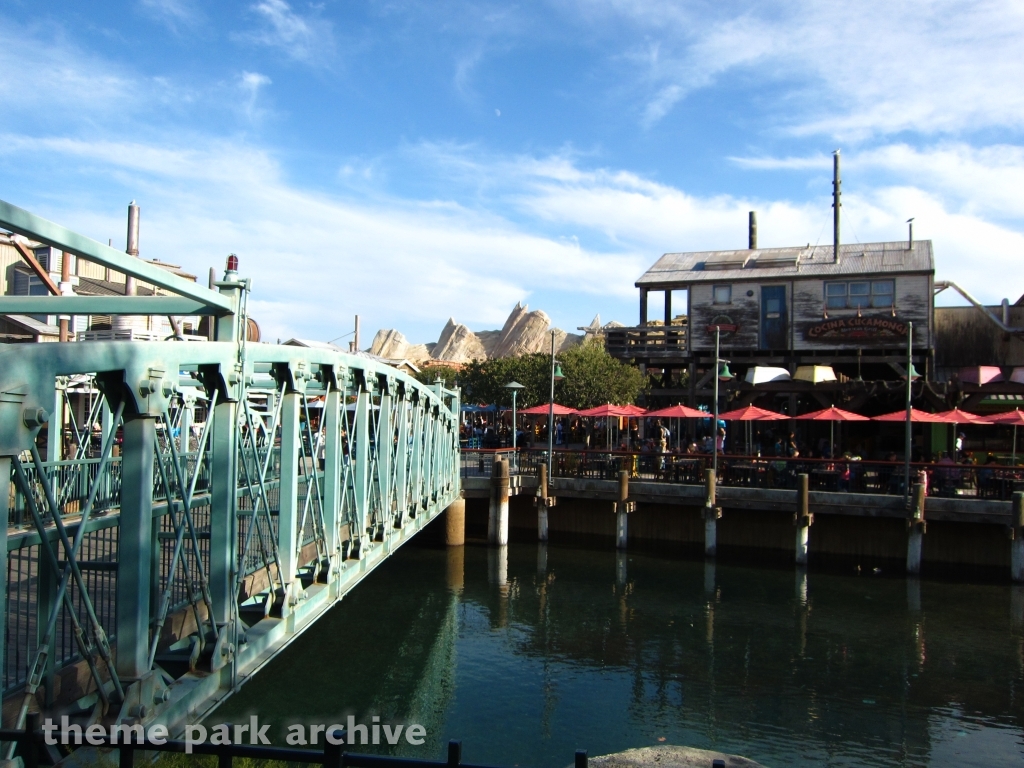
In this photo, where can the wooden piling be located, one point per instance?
(1017, 536)
(916, 527)
(711, 515)
(803, 518)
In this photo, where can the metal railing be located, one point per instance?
(479, 462)
(840, 475)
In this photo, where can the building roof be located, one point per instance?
(777, 263)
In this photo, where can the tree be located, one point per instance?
(592, 377)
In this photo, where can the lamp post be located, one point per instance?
(515, 386)
(556, 375)
(907, 443)
(722, 373)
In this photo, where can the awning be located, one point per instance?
(762, 374)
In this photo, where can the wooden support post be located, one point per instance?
(497, 518)
(543, 502)
(802, 519)
(711, 515)
(1017, 534)
(916, 526)
(455, 523)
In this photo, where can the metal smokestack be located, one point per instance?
(910, 234)
(836, 194)
(133, 244)
(752, 231)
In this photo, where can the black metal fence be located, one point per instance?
(840, 475)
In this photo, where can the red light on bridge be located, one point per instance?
(232, 263)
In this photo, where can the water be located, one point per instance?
(530, 656)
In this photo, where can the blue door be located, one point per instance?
(774, 319)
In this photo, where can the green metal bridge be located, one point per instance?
(215, 500)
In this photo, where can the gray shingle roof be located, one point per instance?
(811, 261)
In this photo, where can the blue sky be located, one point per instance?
(414, 161)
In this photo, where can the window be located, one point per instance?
(722, 294)
(859, 294)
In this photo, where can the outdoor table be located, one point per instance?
(825, 479)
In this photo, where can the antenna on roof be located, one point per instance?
(910, 234)
(836, 194)
(752, 232)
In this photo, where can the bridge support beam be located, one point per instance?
(5, 511)
(497, 519)
(803, 519)
(135, 547)
(455, 523)
(332, 478)
(916, 527)
(711, 515)
(223, 511)
(288, 519)
(1017, 534)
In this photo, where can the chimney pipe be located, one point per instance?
(910, 234)
(836, 194)
(355, 340)
(752, 232)
(133, 244)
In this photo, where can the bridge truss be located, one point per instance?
(212, 501)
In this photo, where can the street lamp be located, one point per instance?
(515, 386)
(911, 375)
(722, 373)
(556, 375)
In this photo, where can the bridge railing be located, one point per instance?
(844, 475)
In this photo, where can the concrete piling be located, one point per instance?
(455, 523)
(711, 515)
(1017, 536)
(803, 519)
(622, 509)
(497, 517)
(916, 527)
(543, 502)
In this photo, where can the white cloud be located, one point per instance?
(251, 83)
(849, 70)
(173, 13)
(309, 39)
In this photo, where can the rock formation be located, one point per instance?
(524, 332)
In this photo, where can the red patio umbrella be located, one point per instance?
(832, 415)
(538, 410)
(916, 416)
(608, 410)
(750, 413)
(635, 410)
(678, 412)
(956, 416)
(1015, 418)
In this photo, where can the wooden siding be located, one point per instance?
(965, 337)
(805, 301)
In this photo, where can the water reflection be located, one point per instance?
(528, 652)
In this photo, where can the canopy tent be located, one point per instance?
(832, 415)
(762, 374)
(545, 408)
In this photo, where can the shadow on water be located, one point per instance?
(530, 652)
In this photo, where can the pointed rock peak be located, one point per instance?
(595, 324)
